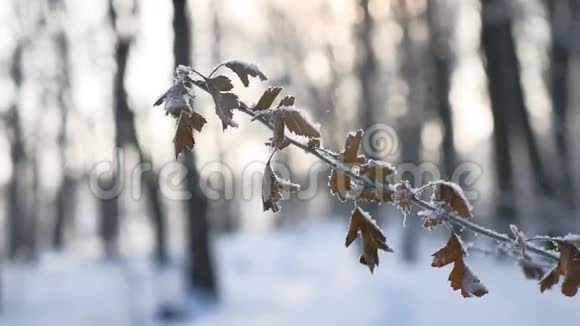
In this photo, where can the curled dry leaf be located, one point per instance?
(372, 237)
(568, 266)
(461, 277)
(244, 70)
(339, 182)
(183, 139)
(452, 194)
(274, 189)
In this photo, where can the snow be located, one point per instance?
(301, 276)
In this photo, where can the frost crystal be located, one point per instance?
(403, 197)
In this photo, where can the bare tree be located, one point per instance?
(15, 202)
(66, 191)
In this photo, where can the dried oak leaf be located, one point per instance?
(274, 189)
(452, 251)
(183, 139)
(452, 194)
(461, 277)
(269, 96)
(244, 70)
(372, 237)
(568, 266)
(339, 182)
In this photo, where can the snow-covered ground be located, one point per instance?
(302, 276)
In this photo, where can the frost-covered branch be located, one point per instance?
(355, 177)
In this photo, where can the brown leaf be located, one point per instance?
(296, 123)
(244, 70)
(452, 251)
(462, 278)
(287, 101)
(197, 121)
(372, 237)
(275, 189)
(339, 182)
(351, 148)
(291, 119)
(267, 98)
(568, 266)
(279, 140)
(225, 102)
(183, 139)
(452, 194)
(220, 83)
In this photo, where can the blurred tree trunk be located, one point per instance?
(410, 125)
(15, 202)
(440, 37)
(561, 16)
(224, 207)
(505, 93)
(32, 218)
(65, 199)
(200, 275)
(366, 70)
(507, 100)
(126, 135)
